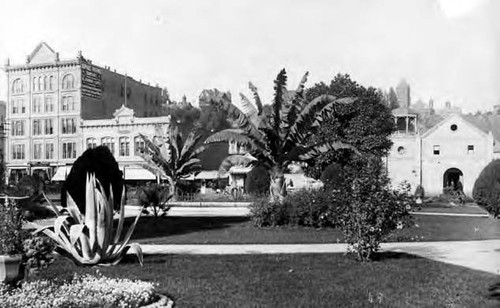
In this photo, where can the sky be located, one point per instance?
(448, 50)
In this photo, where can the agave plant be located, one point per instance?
(283, 135)
(91, 239)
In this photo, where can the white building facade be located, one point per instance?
(453, 151)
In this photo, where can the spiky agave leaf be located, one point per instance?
(91, 214)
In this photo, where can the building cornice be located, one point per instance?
(66, 63)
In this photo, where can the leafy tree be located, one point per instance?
(183, 116)
(486, 191)
(280, 138)
(366, 124)
(257, 181)
(393, 99)
(174, 159)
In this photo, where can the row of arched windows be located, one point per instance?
(44, 83)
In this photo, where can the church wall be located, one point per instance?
(454, 153)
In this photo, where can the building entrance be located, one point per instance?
(453, 181)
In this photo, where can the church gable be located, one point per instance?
(43, 53)
(454, 127)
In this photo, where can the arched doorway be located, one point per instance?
(453, 180)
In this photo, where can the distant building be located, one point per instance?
(449, 109)
(454, 150)
(403, 94)
(121, 135)
(47, 100)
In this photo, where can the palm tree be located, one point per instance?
(174, 159)
(280, 136)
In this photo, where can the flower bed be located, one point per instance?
(80, 291)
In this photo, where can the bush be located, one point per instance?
(332, 176)
(81, 291)
(101, 162)
(309, 208)
(11, 224)
(32, 187)
(153, 198)
(38, 253)
(486, 191)
(266, 213)
(373, 211)
(257, 181)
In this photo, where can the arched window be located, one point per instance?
(68, 82)
(45, 83)
(39, 84)
(17, 86)
(91, 143)
(124, 146)
(52, 84)
(34, 83)
(110, 143)
(139, 145)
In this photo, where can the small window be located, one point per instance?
(436, 150)
(401, 150)
(470, 149)
(453, 127)
(91, 143)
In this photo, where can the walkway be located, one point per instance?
(478, 255)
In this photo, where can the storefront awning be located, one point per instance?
(61, 173)
(138, 174)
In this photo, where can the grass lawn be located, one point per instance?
(311, 280)
(239, 230)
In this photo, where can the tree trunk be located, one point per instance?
(277, 186)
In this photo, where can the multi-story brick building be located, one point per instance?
(47, 100)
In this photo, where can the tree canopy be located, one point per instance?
(366, 124)
(281, 136)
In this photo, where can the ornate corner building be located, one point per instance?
(56, 109)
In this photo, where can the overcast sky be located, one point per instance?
(445, 49)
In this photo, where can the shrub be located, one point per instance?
(372, 210)
(309, 208)
(11, 224)
(332, 176)
(38, 253)
(101, 162)
(31, 188)
(257, 181)
(81, 291)
(486, 191)
(153, 198)
(266, 213)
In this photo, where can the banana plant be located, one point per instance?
(91, 239)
